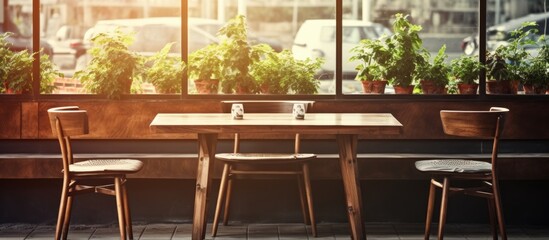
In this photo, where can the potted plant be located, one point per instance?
(237, 57)
(205, 68)
(370, 72)
(271, 72)
(406, 50)
(466, 70)
(506, 65)
(536, 78)
(165, 72)
(113, 67)
(280, 73)
(16, 70)
(434, 76)
(301, 79)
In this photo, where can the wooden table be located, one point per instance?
(346, 127)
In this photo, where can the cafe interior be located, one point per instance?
(85, 153)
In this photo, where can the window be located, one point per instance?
(304, 30)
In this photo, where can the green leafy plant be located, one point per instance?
(301, 79)
(466, 69)
(369, 53)
(406, 48)
(48, 74)
(113, 66)
(205, 63)
(437, 72)
(280, 73)
(205, 68)
(536, 73)
(16, 70)
(165, 72)
(508, 60)
(237, 57)
(392, 58)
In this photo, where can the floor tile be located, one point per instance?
(158, 231)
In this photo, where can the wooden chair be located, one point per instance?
(258, 164)
(67, 122)
(471, 124)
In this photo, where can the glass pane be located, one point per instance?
(269, 60)
(437, 24)
(141, 28)
(522, 67)
(16, 47)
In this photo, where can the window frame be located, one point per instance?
(338, 78)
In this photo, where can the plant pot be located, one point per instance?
(404, 90)
(467, 88)
(501, 87)
(534, 90)
(429, 87)
(9, 90)
(243, 89)
(374, 87)
(206, 86)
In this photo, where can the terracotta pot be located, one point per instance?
(404, 90)
(206, 86)
(243, 90)
(429, 87)
(501, 87)
(534, 90)
(467, 88)
(374, 87)
(11, 91)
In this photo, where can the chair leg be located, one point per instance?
(220, 198)
(302, 199)
(120, 207)
(308, 191)
(443, 208)
(67, 219)
(227, 201)
(499, 212)
(62, 209)
(430, 209)
(127, 214)
(493, 224)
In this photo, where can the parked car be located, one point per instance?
(67, 47)
(19, 41)
(316, 39)
(499, 34)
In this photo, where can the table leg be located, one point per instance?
(349, 172)
(206, 154)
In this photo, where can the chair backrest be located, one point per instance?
(66, 122)
(258, 106)
(476, 124)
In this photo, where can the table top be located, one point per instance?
(314, 123)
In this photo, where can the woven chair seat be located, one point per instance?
(454, 166)
(107, 165)
(265, 157)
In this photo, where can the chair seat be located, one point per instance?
(264, 157)
(453, 166)
(106, 166)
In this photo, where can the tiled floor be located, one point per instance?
(287, 231)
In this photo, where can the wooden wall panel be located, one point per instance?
(526, 120)
(130, 119)
(125, 119)
(10, 120)
(29, 120)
